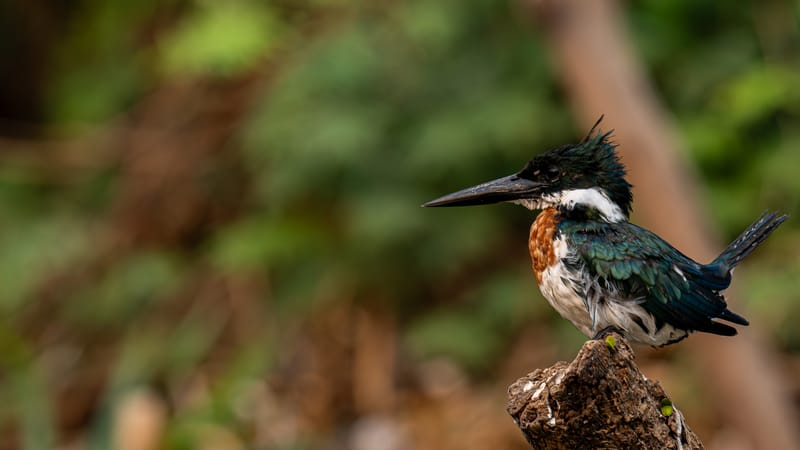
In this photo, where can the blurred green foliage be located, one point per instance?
(393, 105)
(220, 39)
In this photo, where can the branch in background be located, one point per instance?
(601, 74)
(599, 400)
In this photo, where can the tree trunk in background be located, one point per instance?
(601, 75)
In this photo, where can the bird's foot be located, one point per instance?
(607, 330)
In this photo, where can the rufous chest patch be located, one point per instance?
(540, 242)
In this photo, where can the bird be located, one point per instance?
(596, 268)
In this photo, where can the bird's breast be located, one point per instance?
(541, 242)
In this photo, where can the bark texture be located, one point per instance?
(599, 400)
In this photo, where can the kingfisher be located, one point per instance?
(596, 268)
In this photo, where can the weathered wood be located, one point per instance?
(599, 400)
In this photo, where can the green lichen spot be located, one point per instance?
(611, 342)
(666, 407)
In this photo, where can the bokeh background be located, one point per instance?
(210, 232)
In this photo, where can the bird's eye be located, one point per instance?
(552, 173)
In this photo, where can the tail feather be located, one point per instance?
(750, 238)
(731, 316)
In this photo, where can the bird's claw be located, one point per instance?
(605, 331)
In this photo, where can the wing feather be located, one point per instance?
(669, 285)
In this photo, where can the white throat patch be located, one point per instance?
(594, 198)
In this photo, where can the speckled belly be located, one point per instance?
(556, 284)
(559, 289)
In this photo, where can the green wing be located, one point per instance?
(645, 268)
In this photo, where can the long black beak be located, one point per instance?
(503, 189)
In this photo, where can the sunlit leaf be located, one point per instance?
(221, 38)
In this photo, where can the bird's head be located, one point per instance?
(587, 176)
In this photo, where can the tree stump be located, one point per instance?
(599, 400)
